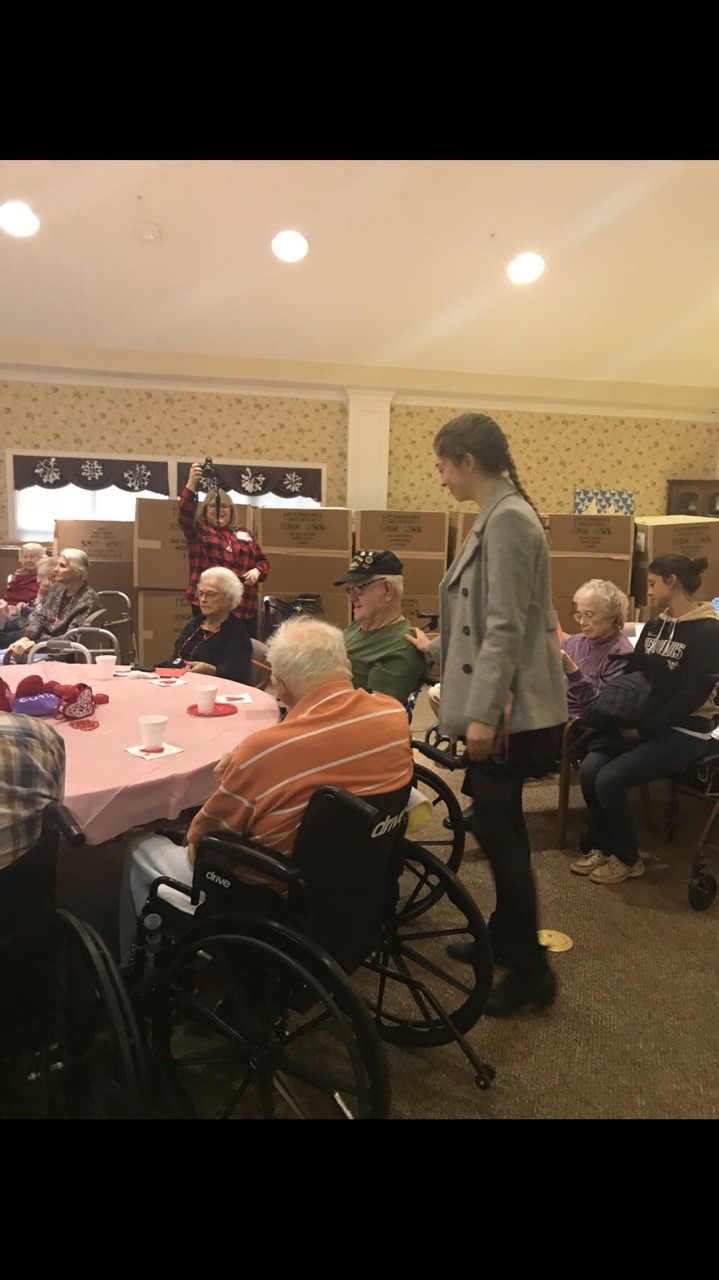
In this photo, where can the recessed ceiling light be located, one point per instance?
(289, 246)
(18, 219)
(526, 268)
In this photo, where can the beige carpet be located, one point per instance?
(635, 1030)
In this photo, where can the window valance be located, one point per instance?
(287, 482)
(88, 472)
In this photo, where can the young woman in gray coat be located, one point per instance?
(502, 685)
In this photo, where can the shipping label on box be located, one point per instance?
(311, 529)
(398, 531)
(101, 540)
(161, 617)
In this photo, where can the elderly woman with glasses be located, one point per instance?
(382, 659)
(217, 643)
(600, 647)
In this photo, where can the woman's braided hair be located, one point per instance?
(480, 435)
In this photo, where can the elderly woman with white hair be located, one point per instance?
(67, 604)
(600, 647)
(217, 643)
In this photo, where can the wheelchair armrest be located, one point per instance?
(248, 853)
(64, 822)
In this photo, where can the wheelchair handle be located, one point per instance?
(440, 757)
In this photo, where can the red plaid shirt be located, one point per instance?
(211, 548)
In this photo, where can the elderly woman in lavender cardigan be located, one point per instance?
(600, 646)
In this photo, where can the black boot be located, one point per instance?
(534, 984)
(467, 816)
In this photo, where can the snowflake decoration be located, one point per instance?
(47, 471)
(250, 483)
(91, 470)
(138, 476)
(292, 482)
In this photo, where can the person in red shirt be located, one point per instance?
(222, 543)
(22, 586)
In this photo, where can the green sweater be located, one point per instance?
(383, 661)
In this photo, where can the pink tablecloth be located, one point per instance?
(108, 790)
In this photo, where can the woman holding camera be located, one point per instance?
(215, 539)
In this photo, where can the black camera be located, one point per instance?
(209, 479)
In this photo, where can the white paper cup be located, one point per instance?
(105, 663)
(206, 694)
(152, 729)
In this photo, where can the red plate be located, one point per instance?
(220, 709)
(85, 724)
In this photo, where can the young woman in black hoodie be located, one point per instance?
(678, 652)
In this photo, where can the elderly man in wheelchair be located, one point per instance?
(297, 875)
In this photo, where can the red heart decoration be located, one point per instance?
(5, 696)
(101, 699)
(78, 704)
(30, 687)
(53, 686)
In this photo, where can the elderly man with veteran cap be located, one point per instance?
(383, 660)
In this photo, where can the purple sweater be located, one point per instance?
(595, 659)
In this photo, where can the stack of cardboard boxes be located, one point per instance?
(307, 550)
(584, 547)
(675, 536)
(420, 540)
(108, 546)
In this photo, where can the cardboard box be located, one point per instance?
(590, 535)
(675, 535)
(161, 617)
(420, 532)
(413, 606)
(159, 546)
(335, 607)
(310, 529)
(460, 524)
(569, 571)
(294, 572)
(103, 541)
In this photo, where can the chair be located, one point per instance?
(119, 608)
(252, 1009)
(70, 1046)
(96, 640)
(260, 671)
(700, 780)
(569, 773)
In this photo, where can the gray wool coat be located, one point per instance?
(498, 629)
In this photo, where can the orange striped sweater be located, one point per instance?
(336, 735)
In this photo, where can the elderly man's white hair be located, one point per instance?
(306, 648)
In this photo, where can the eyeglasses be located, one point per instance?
(361, 587)
(589, 614)
(200, 594)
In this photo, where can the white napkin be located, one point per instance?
(167, 750)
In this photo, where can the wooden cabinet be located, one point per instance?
(693, 497)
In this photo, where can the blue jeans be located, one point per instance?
(606, 781)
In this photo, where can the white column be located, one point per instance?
(368, 449)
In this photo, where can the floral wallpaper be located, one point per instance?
(109, 420)
(555, 454)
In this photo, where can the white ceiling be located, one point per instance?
(404, 287)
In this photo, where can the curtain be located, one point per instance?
(288, 482)
(131, 474)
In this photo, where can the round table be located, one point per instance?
(107, 789)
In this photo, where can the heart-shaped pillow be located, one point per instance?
(77, 703)
(30, 687)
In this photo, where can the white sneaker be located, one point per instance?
(584, 866)
(614, 871)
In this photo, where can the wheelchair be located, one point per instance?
(276, 611)
(277, 1007)
(70, 1044)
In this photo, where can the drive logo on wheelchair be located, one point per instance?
(389, 823)
(218, 880)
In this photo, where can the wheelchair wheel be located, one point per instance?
(94, 1066)
(268, 1027)
(447, 844)
(418, 983)
(702, 891)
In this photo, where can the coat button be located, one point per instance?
(465, 591)
(465, 631)
(467, 669)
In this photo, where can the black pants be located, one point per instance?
(501, 830)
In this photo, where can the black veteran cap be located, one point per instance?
(371, 564)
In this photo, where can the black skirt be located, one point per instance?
(533, 754)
